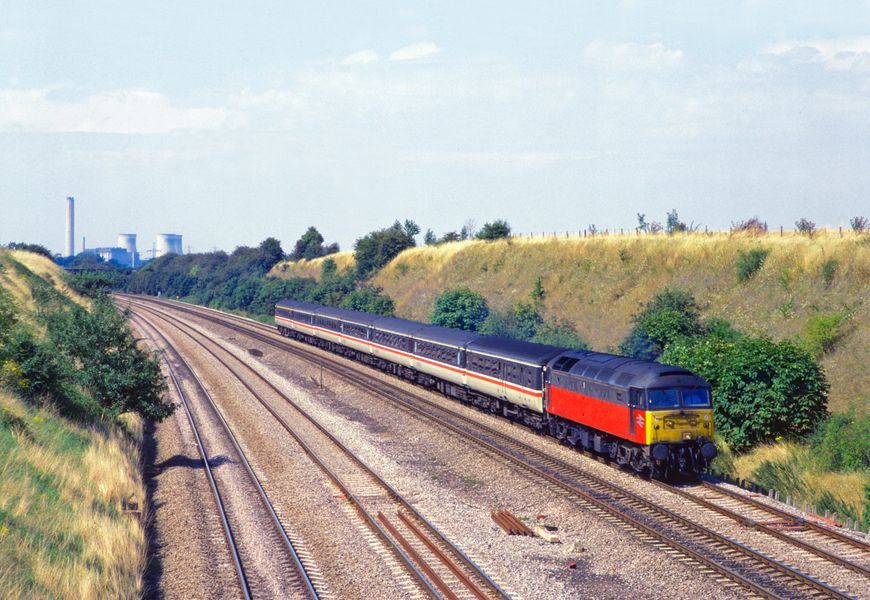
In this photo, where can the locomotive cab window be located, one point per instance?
(696, 398)
(662, 399)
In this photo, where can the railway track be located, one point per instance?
(808, 536)
(297, 582)
(713, 552)
(438, 567)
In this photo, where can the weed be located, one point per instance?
(624, 255)
(787, 309)
(829, 269)
(402, 268)
(749, 263)
(472, 482)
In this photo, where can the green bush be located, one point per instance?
(461, 309)
(114, 371)
(842, 442)
(525, 322)
(749, 263)
(376, 249)
(823, 331)
(670, 316)
(558, 332)
(369, 299)
(762, 390)
(498, 229)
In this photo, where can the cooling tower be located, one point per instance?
(168, 243)
(70, 249)
(127, 241)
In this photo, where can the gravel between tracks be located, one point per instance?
(186, 541)
(352, 566)
(456, 487)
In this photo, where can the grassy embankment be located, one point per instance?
(598, 283)
(62, 531)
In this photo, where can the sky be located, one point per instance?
(229, 122)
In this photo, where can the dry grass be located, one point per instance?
(805, 482)
(40, 266)
(62, 534)
(311, 268)
(599, 283)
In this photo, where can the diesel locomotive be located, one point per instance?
(653, 418)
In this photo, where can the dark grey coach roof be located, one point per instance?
(627, 372)
(445, 335)
(401, 326)
(352, 316)
(297, 305)
(515, 349)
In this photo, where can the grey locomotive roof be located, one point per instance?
(445, 335)
(628, 372)
(516, 349)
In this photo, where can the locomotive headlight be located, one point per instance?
(707, 421)
(669, 424)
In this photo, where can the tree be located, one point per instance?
(450, 236)
(805, 226)
(753, 225)
(642, 225)
(310, 245)
(411, 228)
(35, 248)
(671, 315)
(859, 224)
(674, 225)
(762, 389)
(429, 239)
(108, 364)
(376, 249)
(369, 299)
(493, 231)
(272, 252)
(461, 309)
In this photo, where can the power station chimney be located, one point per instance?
(70, 226)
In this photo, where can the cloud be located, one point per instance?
(415, 51)
(631, 56)
(122, 111)
(834, 54)
(363, 57)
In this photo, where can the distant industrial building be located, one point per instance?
(124, 253)
(127, 241)
(119, 255)
(167, 243)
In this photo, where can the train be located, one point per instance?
(653, 418)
